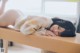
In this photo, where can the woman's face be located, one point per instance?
(56, 29)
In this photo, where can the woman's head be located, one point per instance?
(62, 27)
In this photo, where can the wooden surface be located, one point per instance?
(56, 44)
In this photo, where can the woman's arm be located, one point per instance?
(3, 6)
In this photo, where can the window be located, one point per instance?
(24, 5)
(60, 8)
(49, 7)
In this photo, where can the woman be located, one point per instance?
(54, 26)
(61, 27)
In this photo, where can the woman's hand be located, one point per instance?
(49, 33)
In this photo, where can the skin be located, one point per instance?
(55, 30)
(9, 17)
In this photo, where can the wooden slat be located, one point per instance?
(57, 44)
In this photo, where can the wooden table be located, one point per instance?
(54, 44)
